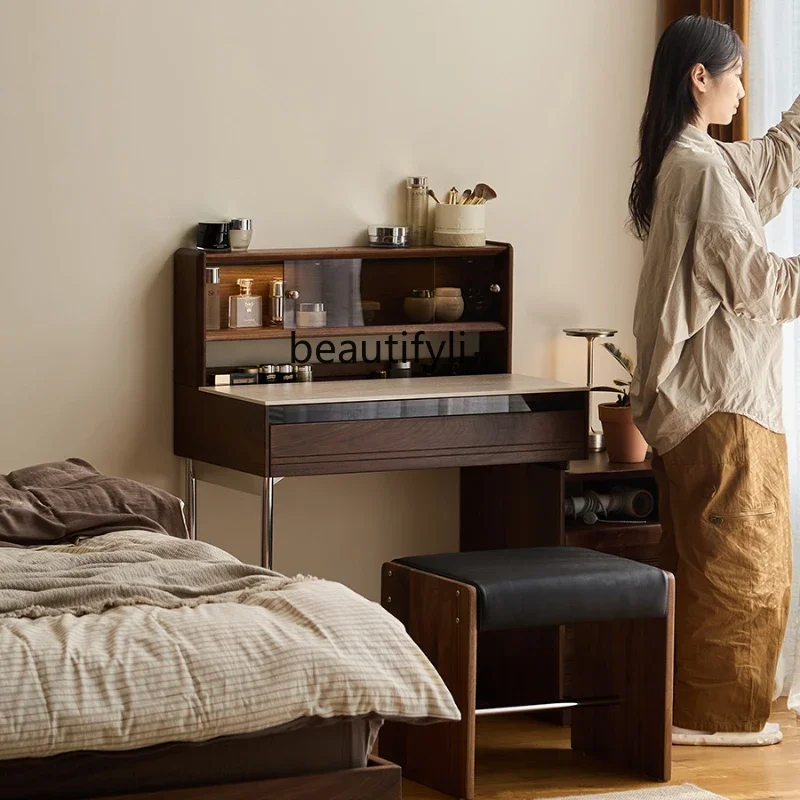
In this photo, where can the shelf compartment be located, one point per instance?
(604, 535)
(245, 334)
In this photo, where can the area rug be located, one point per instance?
(685, 791)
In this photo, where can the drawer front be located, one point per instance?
(426, 442)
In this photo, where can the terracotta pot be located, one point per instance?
(624, 441)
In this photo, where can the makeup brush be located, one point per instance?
(485, 192)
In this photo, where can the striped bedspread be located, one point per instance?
(133, 639)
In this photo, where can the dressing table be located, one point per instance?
(465, 410)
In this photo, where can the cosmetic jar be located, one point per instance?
(388, 235)
(402, 369)
(212, 236)
(419, 306)
(240, 232)
(285, 373)
(311, 315)
(267, 373)
(369, 308)
(449, 303)
(303, 373)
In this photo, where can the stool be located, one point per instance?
(622, 616)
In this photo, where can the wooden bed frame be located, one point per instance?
(379, 780)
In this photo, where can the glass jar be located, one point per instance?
(240, 232)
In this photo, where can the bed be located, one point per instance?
(141, 664)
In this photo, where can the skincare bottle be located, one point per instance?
(212, 299)
(417, 210)
(244, 309)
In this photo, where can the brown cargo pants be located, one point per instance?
(724, 509)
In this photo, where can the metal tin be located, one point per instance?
(303, 373)
(388, 235)
(285, 373)
(402, 369)
(267, 373)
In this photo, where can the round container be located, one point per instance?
(460, 226)
(212, 236)
(240, 232)
(420, 306)
(303, 373)
(285, 373)
(311, 315)
(369, 308)
(267, 373)
(449, 303)
(402, 369)
(388, 235)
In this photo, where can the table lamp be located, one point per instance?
(596, 443)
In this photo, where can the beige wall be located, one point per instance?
(123, 123)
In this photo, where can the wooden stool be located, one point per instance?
(622, 613)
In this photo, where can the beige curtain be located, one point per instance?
(737, 14)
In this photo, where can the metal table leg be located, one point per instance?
(266, 521)
(191, 499)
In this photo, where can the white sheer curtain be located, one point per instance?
(774, 67)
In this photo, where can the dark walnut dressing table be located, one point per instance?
(519, 441)
(463, 409)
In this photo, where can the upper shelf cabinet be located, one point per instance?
(361, 290)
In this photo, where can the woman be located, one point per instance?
(706, 391)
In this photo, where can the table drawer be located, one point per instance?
(426, 442)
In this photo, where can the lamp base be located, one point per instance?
(596, 442)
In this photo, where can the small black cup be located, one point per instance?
(213, 236)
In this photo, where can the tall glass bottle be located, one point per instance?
(212, 299)
(417, 210)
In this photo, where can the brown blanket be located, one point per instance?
(59, 502)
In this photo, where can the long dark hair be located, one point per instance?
(670, 101)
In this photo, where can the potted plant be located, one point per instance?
(624, 441)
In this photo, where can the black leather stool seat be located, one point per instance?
(538, 586)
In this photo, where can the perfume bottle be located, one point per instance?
(244, 309)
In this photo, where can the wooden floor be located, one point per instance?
(519, 758)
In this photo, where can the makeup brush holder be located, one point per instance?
(460, 225)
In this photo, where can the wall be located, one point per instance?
(124, 123)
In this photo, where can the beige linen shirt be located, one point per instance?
(711, 297)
